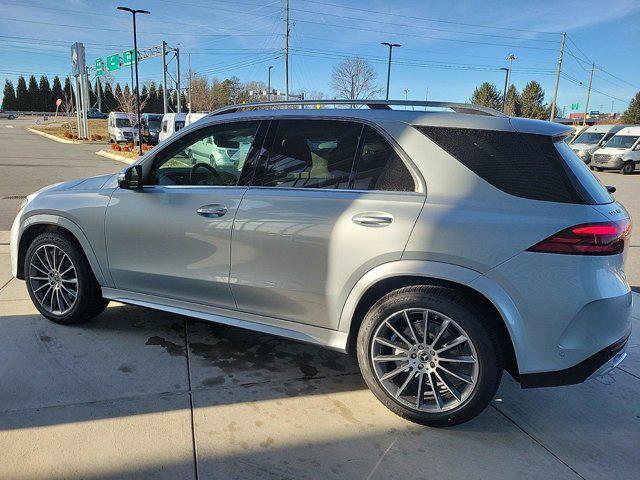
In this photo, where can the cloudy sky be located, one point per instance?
(447, 47)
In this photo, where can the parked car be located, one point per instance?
(575, 132)
(621, 152)
(8, 114)
(592, 139)
(119, 128)
(441, 247)
(171, 123)
(150, 124)
(95, 113)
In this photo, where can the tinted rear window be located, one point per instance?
(525, 165)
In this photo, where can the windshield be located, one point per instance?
(154, 124)
(621, 141)
(589, 138)
(179, 125)
(123, 122)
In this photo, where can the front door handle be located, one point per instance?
(212, 211)
(373, 219)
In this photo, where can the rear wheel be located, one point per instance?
(627, 168)
(430, 355)
(60, 281)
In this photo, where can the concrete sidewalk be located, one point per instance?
(142, 394)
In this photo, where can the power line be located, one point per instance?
(370, 11)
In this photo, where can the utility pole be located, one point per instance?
(353, 89)
(189, 56)
(511, 57)
(269, 84)
(286, 55)
(164, 77)
(99, 84)
(426, 98)
(390, 45)
(586, 107)
(179, 92)
(559, 70)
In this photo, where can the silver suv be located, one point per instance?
(441, 247)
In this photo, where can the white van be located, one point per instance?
(194, 117)
(621, 152)
(119, 128)
(171, 123)
(592, 139)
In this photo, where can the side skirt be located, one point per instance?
(296, 331)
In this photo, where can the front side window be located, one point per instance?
(164, 126)
(311, 154)
(380, 167)
(179, 125)
(211, 156)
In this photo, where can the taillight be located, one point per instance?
(601, 238)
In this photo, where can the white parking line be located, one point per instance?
(9, 126)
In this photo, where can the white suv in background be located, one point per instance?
(621, 152)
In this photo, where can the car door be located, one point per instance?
(172, 237)
(330, 200)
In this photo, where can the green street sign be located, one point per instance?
(99, 67)
(113, 62)
(575, 106)
(128, 58)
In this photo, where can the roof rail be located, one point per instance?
(372, 104)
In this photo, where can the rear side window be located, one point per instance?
(380, 168)
(311, 154)
(525, 165)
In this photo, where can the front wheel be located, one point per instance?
(430, 355)
(60, 281)
(627, 168)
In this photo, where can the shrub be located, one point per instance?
(116, 147)
(125, 148)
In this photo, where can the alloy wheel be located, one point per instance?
(424, 360)
(53, 279)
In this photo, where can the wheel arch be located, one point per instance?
(374, 285)
(38, 224)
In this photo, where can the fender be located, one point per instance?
(64, 222)
(442, 271)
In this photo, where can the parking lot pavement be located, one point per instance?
(29, 162)
(137, 393)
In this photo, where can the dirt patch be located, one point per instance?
(63, 127)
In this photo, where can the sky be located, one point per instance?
(448, 47)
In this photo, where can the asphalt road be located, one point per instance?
(137, 393)
(29, 162)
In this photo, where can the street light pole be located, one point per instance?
(135, 53)
(269, 84)
(390, 45)
(504, 95)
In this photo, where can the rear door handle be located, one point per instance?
(373, 219)
(212, 211)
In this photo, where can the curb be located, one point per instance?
(53, 137)
(113, 156)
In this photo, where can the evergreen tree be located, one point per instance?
(512, 105)
(33, 94)
(22, 96)
(632, 114)
(160, 100)
(56, 89)
(68, 89)
(487, 95)
(8, 96)
(127, 91)
(108, 101)
(152, 104)
(45, 100)
(144, 94)
(532, 101)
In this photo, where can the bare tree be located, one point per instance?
(200, 94)
(355, 78)
(67, 108)
(127, 104)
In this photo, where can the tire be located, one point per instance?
(598, 169)
(12, 117)
(55, 264)
(628, 168)
(467, 319)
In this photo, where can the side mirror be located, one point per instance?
(637, 147)
(131, 178)
(610, 189)
(602, 142)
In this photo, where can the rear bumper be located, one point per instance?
(598, 364)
